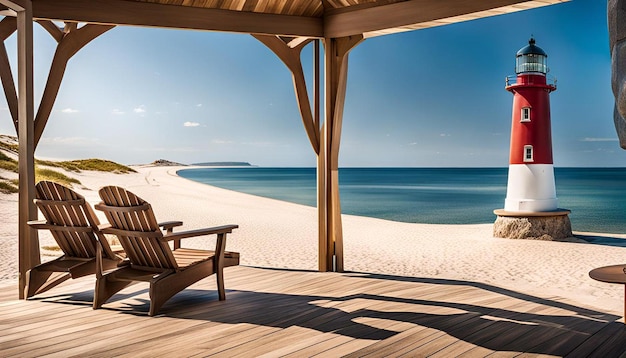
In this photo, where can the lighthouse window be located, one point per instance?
(525, 114)
(528, 153)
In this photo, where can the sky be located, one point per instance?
(426, 98)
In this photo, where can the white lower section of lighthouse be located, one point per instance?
(531, 188)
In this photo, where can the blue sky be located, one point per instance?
(432, 97)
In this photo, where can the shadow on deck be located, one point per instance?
(276, 312)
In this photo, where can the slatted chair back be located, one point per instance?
(134, 223)
(71, 220)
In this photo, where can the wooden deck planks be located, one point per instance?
(289, 313)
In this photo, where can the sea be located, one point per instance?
(595, 196)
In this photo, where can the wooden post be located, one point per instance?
(325, 142)
(322, 208)
(28, 240)
(336, 78)
(311, 120)
(322, 223)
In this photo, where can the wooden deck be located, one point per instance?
(286, 313)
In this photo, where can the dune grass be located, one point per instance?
(9, 147)
(11, 186)
(9, 164)
(89, 164)
(6, 187)
(52, 175)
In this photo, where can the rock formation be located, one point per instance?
(616, 10)
(550, 228)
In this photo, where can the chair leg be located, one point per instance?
(165, 286)
(38, 281)
(106, 287)
(220, 283)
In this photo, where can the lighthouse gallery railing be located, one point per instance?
(511, 80)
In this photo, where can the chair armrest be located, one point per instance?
(169, 225)
(38, 224)
(225, 229)
(43, 225)
(102, 227)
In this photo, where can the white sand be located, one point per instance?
(278, 234)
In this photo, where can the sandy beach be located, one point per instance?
(279, 234)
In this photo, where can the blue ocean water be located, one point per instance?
(596, 196)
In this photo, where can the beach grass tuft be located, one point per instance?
(88, 164)
(52, 175)
(7, 163)
(9, 147)
(6, 187)
(51, 248)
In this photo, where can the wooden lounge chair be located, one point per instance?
(74, 226)
(168, 270)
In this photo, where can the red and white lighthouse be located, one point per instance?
(531, 207)
(531, 185)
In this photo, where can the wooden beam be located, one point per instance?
(336, 64)
(322, 204)
(291, 58)
(297, 41)
(324, 256)
(316, 83)
(28, 241)
(71, 42)
(8, 12)
(120, 12)
(16, 5)
(52, 29)
(416, 14)
(8, 25)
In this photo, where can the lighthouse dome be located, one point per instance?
(531, 58)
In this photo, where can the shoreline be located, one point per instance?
(279, 234)
(431, 196)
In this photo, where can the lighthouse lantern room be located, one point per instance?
(531, 185)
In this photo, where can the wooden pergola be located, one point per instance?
(284, 26)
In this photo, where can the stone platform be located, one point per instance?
(543, 225)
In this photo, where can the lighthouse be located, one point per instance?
(531, 206)
(531, 172)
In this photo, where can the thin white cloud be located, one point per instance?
(261, 144)
(444, 135)
(69, 110)
(117, 112)
(69, 140)
(413, 143)
(140, 109)
(199, 105)
(591, 139)
(191, 124)
(167, 149)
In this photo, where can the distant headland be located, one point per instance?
(165, 162)
(224, 164)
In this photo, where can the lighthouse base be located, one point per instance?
(544, 225)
